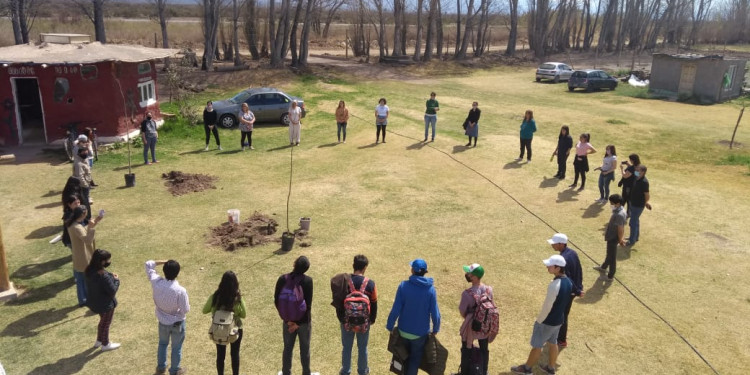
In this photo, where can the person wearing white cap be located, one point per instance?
(549, 320)
(573, 271)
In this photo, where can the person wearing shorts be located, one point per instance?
(550, 319)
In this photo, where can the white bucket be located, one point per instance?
(233, 216)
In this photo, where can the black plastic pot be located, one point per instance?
(130, 179)
(287, 241)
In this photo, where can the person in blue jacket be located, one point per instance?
(528, 127)
(415, 305)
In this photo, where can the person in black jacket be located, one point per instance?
(102, 287)
(564, 144)
(209, 124)
(472, 123)
(301, 327)
(69, 204)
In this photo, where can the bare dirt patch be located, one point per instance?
(259, 229)
(180, 183)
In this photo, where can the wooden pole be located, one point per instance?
(4, 281)
(731, 143)
(346, 45)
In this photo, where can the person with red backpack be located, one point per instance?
(357, 313)
(480, 322)
(293, 300)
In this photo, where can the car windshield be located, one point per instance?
(240, 98)
(547, 66)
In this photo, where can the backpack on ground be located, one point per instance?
(291, 303)
(357, 308)
(223, 330)
(486, 315)
(476, 362)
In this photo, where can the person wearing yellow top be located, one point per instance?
(228, 298)
(82, 247)
(342, 117)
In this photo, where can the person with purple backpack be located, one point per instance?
(293, 300)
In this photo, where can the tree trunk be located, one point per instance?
(293, 37)
(439, 30)
(510, 50)
(304, 42)
(430, 31)
(251, 28)
(161, 7)
(210, 29)
(236, 33)
(99, 31)
(418, 44)
(398, 23)
(22, 6)
(14, 19)
(458, 26)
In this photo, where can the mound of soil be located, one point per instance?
(183, 183)
(259, 229)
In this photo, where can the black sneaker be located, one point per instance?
(522, 370)
(548, 370)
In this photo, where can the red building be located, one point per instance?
(45, 87)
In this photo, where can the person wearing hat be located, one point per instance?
(415, 305)
(149, 136)
(573, 271)
(467, 307)
(549, 320)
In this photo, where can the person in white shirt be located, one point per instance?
(381, 118)
(172, 304)
(295, 115)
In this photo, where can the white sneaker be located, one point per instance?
(281, 373)
(110, 346)
(206, 149)
(519, 159)
(220, 148)
(252, 148)
(97, 344)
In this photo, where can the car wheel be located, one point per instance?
(571, 88)
(538, 79)
(227, 121)
(614, 87)
(556, 79)
(285, 119)
(589, 88)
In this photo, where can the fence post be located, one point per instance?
(6, 288)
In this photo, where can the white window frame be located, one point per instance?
(147, 93)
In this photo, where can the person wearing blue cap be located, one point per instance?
(415, 305)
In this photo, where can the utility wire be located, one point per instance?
(543, 221)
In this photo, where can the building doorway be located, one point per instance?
(29, 114)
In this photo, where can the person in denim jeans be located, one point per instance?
(172, 304)
(300, 328)
(639, 197)
(149, 136)
(347, 337)
(430, 116)
(607, 174)
(414, 306)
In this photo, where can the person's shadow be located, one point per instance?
(371, 145)
(67, 366)
(596, 292)
(512, 165)
(623, 252)
(43, 293)
(460, 148)
(30, 271)
(332, 144)
(279, 148)
(194, 152)
(549, 182)
(567, 195)
(593, 210)
(44, 232)
(31, 324)
(416, 146)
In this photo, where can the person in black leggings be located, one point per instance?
(209, 124)
(581, 161)
(228, 298)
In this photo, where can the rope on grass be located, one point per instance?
(684, 339)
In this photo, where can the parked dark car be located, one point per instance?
(267, 104)
(591, 80)
(553, 70)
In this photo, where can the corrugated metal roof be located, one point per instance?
(693, 56)
(86, 53)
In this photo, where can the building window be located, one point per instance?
(728, 81)
(148, 93)
(89, 72)
(144, 67)
(61, 88)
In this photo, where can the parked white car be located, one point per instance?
(555, 71)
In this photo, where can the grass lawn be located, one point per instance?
(401, 200)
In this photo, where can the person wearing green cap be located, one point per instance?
(467, 308)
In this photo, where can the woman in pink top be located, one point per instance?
(581, 161)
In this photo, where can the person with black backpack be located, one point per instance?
(480, 322)
(228, 309)
(356, 313)
(293, 300)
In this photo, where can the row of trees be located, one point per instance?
(552, 26)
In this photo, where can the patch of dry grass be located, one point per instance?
(397, 201)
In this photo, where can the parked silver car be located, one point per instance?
(553, 70)
(267, 104)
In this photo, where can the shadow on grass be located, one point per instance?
(31, 324)
(125, 167)
(512, 165)
(44, 232)
(48, 205)
(595, 293)
(623, 252)
(229, 152)
(198, 151)
(416, 146)
(67, 366)
(460, 148)
(567, 195)
(42, 293)
(549, 182)
(31, 271)
(278, 148)
(52, 193)
(371, 145)
(332, 144)
(593, 210)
